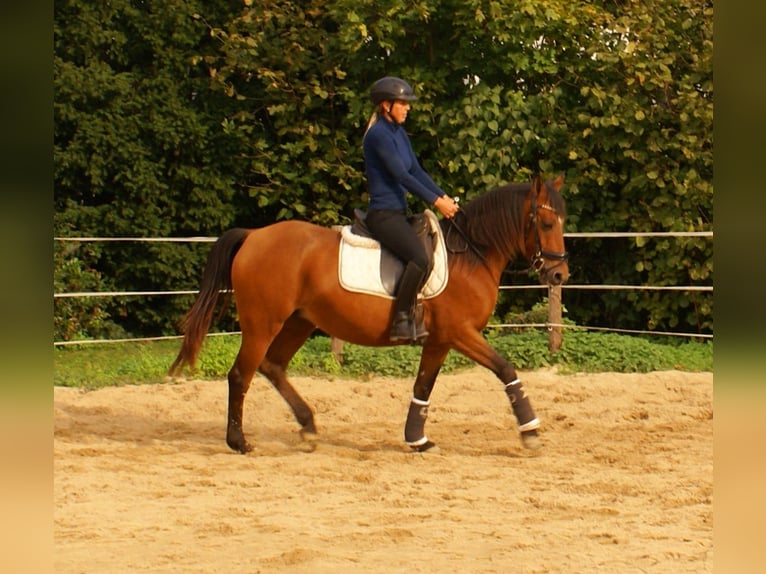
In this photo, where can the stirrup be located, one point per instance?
(405, 328)
(402, 328)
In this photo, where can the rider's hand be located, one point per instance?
(447, 206)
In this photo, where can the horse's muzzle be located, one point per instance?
(556, 273)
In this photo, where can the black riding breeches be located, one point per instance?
(394, 232)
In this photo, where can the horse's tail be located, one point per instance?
(215, 278)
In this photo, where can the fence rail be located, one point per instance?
(553, 324)
(610, 234)
(86, 294)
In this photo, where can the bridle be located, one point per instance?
(537, 263)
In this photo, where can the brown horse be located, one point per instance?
(285, 284)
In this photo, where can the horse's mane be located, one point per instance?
(495, 221)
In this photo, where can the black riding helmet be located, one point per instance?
(391, 89)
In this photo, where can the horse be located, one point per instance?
(284, 281)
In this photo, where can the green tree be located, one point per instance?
(139, 149)
(616, 96)
(292, 68)
(186, 121)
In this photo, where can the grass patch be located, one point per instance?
(95, 366)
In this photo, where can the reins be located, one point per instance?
(468, 242)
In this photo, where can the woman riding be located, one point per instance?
(393, 170)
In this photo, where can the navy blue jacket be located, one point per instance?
(392, 168)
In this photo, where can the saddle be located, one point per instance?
(364, 266)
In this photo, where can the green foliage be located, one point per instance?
(91, 366)
(526, 350)
(192, 117)
(78, 318)
(138, 147)
(538, 314)
(217, 356)
(293, 67)
(622, 103)
(625, 354)
(96, 366)
(75, 318)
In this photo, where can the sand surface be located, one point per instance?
(144, 482)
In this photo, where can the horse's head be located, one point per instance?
(544, 237)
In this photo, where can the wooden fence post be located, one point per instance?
(336, 346)
(554, 317)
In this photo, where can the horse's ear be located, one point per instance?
(558, 182)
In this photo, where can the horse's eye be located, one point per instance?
(547, 226)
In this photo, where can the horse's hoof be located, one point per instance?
(241, 446)
(310, 440)
(427, 446)
(531, 441)
(309, 435)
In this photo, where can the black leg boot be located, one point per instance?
(403, 326)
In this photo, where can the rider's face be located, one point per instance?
(398, 111)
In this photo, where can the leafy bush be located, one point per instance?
(537, 314)
(611, 352)
(77, 318)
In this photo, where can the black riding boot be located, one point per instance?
(406, 326)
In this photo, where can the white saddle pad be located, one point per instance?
(359, 264)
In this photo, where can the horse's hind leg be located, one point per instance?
(240, 376)
(274, 366)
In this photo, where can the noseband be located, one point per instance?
(538, 259)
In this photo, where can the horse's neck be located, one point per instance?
(495, 264)
(492, 264)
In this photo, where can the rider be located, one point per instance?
(392, 171)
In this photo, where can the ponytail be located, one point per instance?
(372, 121)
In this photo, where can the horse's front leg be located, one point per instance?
(414, 428)
(476, 348)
